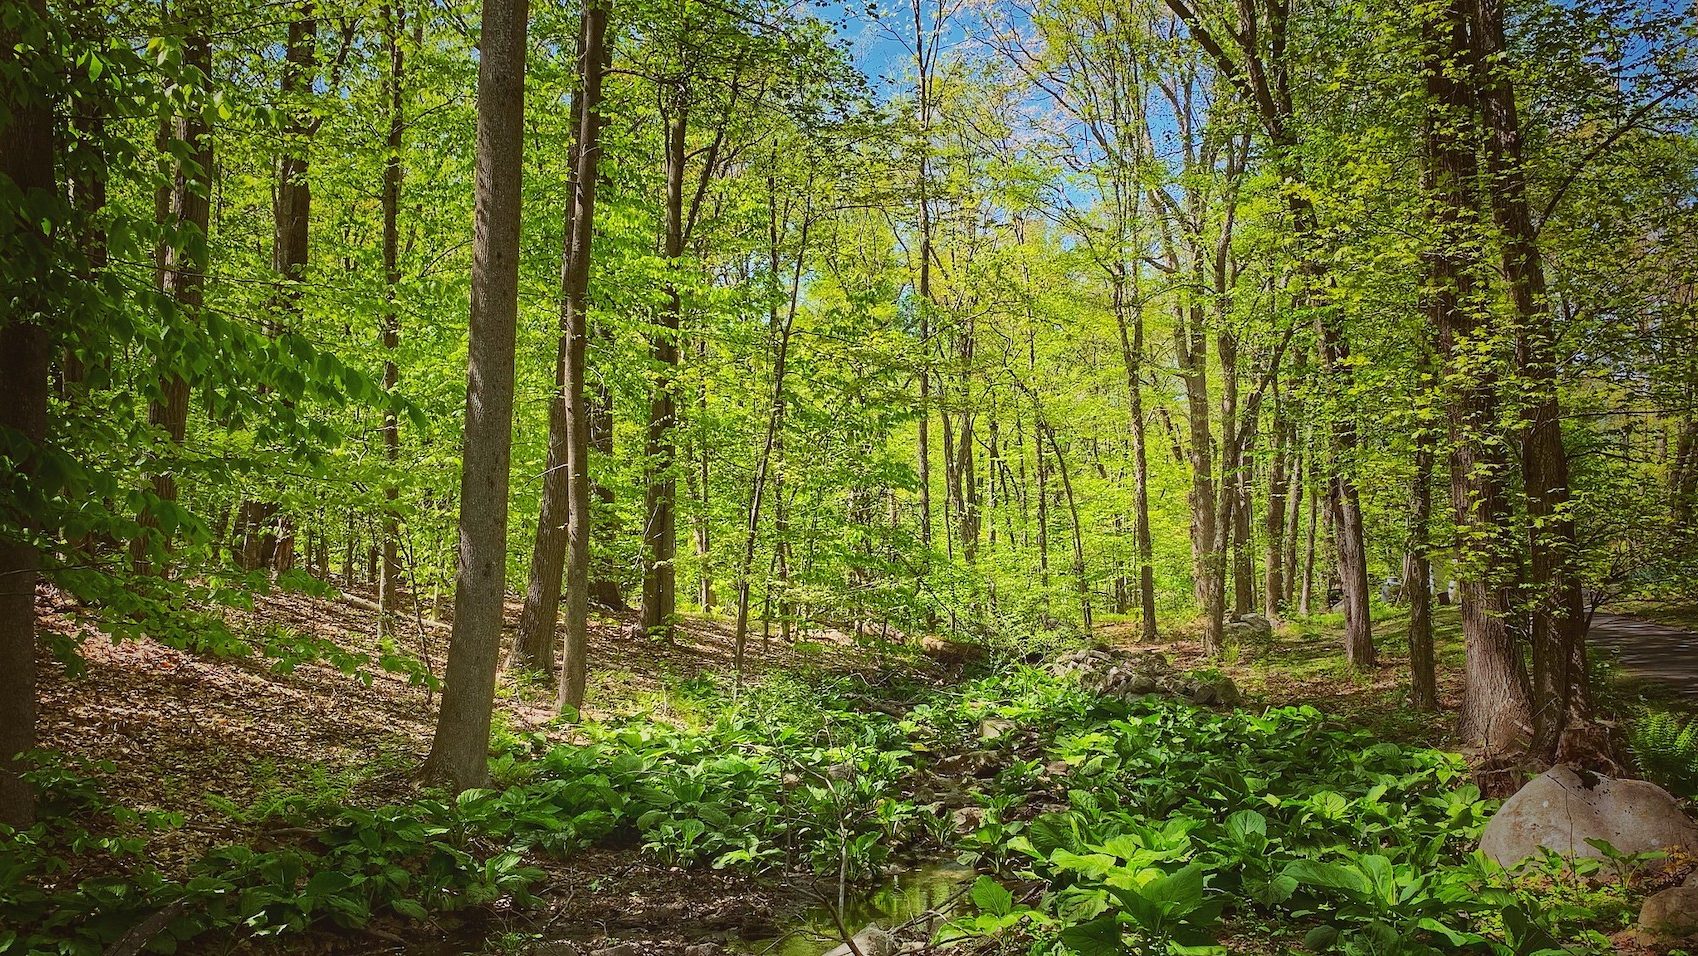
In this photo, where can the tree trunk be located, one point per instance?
(184, 207)
(1129, 318)
(1418, 570)
(1560, 693)
(1495, 713)
(597, 58)
(26, 159)
(1273, 574)
(459, 754)
(1293, 516)
(1243, 561)
(394, 16)
(660, 532)
(533, 643)
(1303, 601)
(1081, 582)
(293, 216)
(1207, 565)
(775, 415)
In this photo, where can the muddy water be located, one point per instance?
(901, 898)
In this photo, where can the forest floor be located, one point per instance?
(219, 740)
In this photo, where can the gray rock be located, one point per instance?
(1671, 914)
(618, 949)
(871, 941)
(1254, 625)
(1692, 878)
(1562, 808)
(704, 949)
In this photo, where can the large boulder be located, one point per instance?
(1562, 808)
(1250, 627)
(1671, 914)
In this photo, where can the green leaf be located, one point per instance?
(1329, 876)
(992, 897)
(1099, 937)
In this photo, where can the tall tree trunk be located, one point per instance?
(1129, 319)
(1293, 514)
(1081, 581)
(1417, 564)
(1560, 691)
(597, 58)
(394, 16)
(26, 159)
(775, 414)
(1273, 574)
(533, 643)
(1495, 713)
(700, 530)
(1207, 563)
(1303, 602)
(660, 532)
(1243, 561)
(293, 216)
(459, 753)
(184, 207)
(604, 586)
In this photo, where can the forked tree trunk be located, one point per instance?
(775, 414)
(459, 753)
(1495, 713)
(1560, 690)
(533, 643)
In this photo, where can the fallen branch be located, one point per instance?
(141, 934)
(365, 605)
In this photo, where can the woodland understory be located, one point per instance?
(478, 476)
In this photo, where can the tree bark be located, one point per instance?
(1129, 319)
(660, 532)
(459, 754)
(1418, 568)
(26, 158)
(1273, 583)
(533, 643)
(289, 248)
(597, 58)
(1560, 690)
(394, 16)
(183, 207)
(1495, 713)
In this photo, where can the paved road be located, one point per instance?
(1654, 652)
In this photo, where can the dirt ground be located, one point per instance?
(197, 736)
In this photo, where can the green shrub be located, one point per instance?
(1666, 747)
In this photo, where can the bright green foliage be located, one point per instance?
(1166, 820)
(1665, 744)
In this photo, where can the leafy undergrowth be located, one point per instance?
(1107, 826)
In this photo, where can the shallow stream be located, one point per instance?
(903, 897)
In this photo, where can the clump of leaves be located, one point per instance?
(1665, 745)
